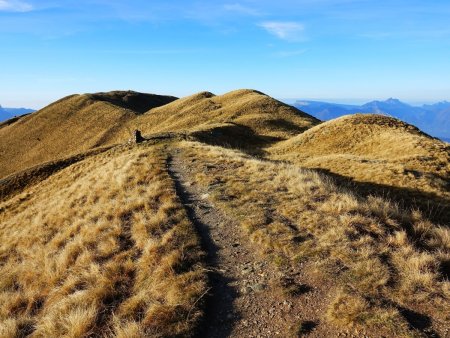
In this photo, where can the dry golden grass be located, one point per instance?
(381, 259)
(384, 153)
(101, 248)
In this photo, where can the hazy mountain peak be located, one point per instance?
(389, 102)
(437, 106)
(392, 100)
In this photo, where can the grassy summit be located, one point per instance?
(380, 155)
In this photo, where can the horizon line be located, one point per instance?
(288, 100)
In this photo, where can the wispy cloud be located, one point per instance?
(15, 6)
(285, 30)
(241, 9)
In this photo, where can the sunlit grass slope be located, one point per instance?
(380, 263)
(101, 248)
(380, 150)
(69, 126)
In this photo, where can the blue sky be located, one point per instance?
(341, 50)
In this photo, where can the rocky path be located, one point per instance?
(245, 299)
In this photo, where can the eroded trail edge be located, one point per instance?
(244, 300)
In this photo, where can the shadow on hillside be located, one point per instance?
(137, 102)
(235, 136)
(435, 208)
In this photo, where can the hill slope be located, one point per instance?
(379, 150)
(81, 122)
(110, 246)
(103, 247)
(69, 126)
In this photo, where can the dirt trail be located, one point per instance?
(246, 299)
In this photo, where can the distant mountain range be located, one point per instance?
(7, 113)
(433, 119)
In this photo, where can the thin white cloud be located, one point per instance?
(285, 30)
(15, 6)
(241, 9)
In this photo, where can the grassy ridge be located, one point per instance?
(81, 122)
(249, 108)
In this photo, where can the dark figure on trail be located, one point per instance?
(138, 136)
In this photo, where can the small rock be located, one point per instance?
(258, 287)
(204, 196)
(246, 290)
